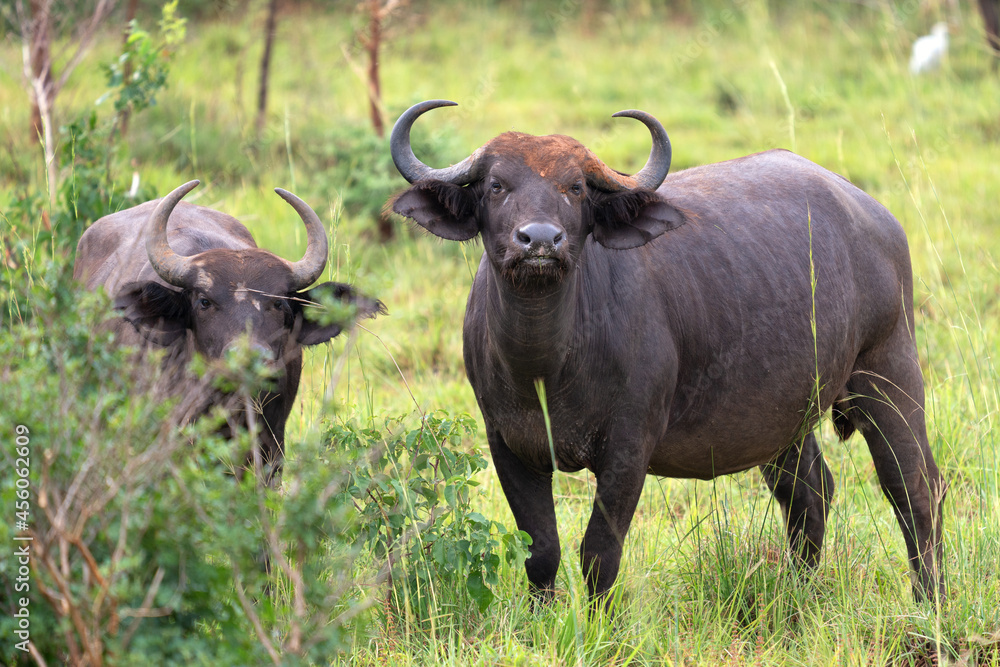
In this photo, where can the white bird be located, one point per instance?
(929, 50)
(134, 190)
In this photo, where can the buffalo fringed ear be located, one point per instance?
(160, 315)
(312, 332)
(443, 209)
(631, 219)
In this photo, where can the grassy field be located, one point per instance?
(704, 579)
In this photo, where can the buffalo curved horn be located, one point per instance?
(310, 267)
(413, 169)
(601, 176)
(168, 265)
(652, 174)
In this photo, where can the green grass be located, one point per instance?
(704, 578)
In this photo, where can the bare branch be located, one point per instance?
(145, 610)
(248, 609)
(67, 504)
(35, 655)
(101, 11)
(68, 608)
(389, 7)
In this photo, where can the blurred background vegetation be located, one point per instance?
(704, 579)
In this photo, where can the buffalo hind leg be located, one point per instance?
(887, 406)
(802, 484)
(529, 494)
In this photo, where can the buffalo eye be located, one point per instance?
(576, 188)
(496, 187)
(204, 303)
(282, 305)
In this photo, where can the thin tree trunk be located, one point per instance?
(377, 13)
(265, 66)
(43, 87)
(40, 57)
(374, 85)
(38, 71)
(383, 224)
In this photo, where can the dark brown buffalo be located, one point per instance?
(780, 291)
(192, 279)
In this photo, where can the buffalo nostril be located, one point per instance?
(539, 235)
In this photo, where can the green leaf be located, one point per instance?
(479, 591)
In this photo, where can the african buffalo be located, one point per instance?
(200, 284)
(780, 291)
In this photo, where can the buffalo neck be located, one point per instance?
(532, 332)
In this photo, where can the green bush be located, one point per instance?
(146, 538)
(413, 496)
(143, 550)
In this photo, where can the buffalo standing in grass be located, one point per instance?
(191, 279)
(780, 291)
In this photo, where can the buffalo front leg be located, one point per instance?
(618, 490)
(802, 484)
(529, 494)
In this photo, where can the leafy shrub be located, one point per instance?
(142, 549)
(146, 538)
(413, 495)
